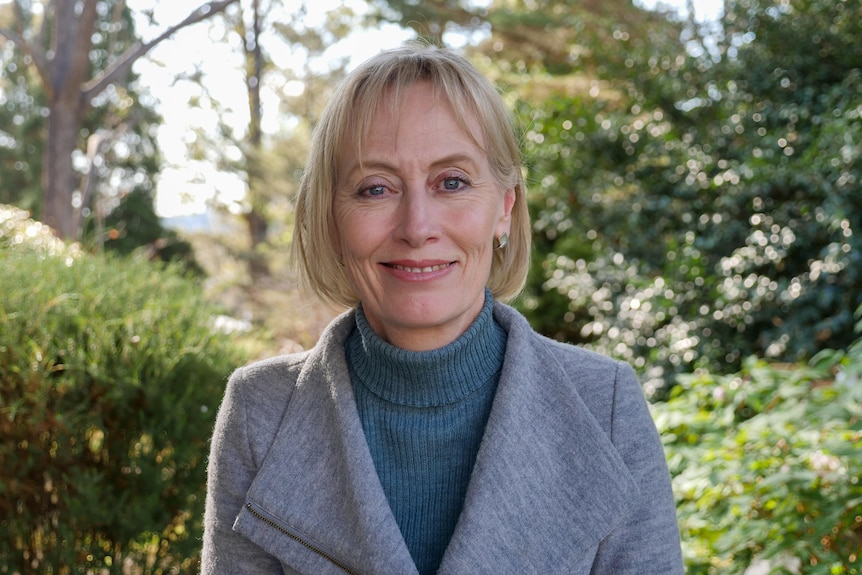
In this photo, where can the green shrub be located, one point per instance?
(767, 466)
(702, 207)
(110, 378)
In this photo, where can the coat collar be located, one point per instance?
(545, 467)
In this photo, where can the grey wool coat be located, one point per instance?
(570, 477)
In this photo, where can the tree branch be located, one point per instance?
(123, 64)
(17, 38)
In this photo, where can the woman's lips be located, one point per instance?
(420, 269)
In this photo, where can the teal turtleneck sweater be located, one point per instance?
(424, 414)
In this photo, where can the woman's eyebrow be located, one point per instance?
(458, 159)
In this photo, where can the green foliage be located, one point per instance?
(22, 124)
(703, 203)
(110, 377)
(766, 466)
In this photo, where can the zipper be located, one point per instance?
(301, 541)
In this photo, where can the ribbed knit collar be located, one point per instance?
(428, 378)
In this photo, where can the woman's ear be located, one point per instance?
(504, 226)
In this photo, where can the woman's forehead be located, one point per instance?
(386, 111)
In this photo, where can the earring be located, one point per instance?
(502, 241)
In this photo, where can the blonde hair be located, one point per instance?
(349, 113)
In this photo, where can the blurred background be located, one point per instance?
(694, 176)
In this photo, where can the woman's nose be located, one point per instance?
(418, 220)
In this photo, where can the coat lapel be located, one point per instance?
(548, 484)
(318, 482)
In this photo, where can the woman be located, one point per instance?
(430, 430)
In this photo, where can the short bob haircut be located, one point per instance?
(346, 122)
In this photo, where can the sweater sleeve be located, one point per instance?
(231, 469)
(647, 542)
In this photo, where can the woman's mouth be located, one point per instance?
(418, 270)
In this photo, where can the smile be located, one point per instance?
(416, 270)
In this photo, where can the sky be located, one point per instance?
(186, 186)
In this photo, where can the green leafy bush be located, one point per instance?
(110, 377)
(704, 207)
(767, 466)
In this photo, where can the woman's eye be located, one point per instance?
(377, 190)
(453, 184)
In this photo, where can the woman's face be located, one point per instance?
(416, 217)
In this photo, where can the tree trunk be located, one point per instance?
(65, 73)
(257, 229)
(258, 226)
(71, 45)
(59, 178)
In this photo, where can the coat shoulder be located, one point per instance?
(273, 380)
(269, 379)
(258, 395)
(577, 356)
(596, 378)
